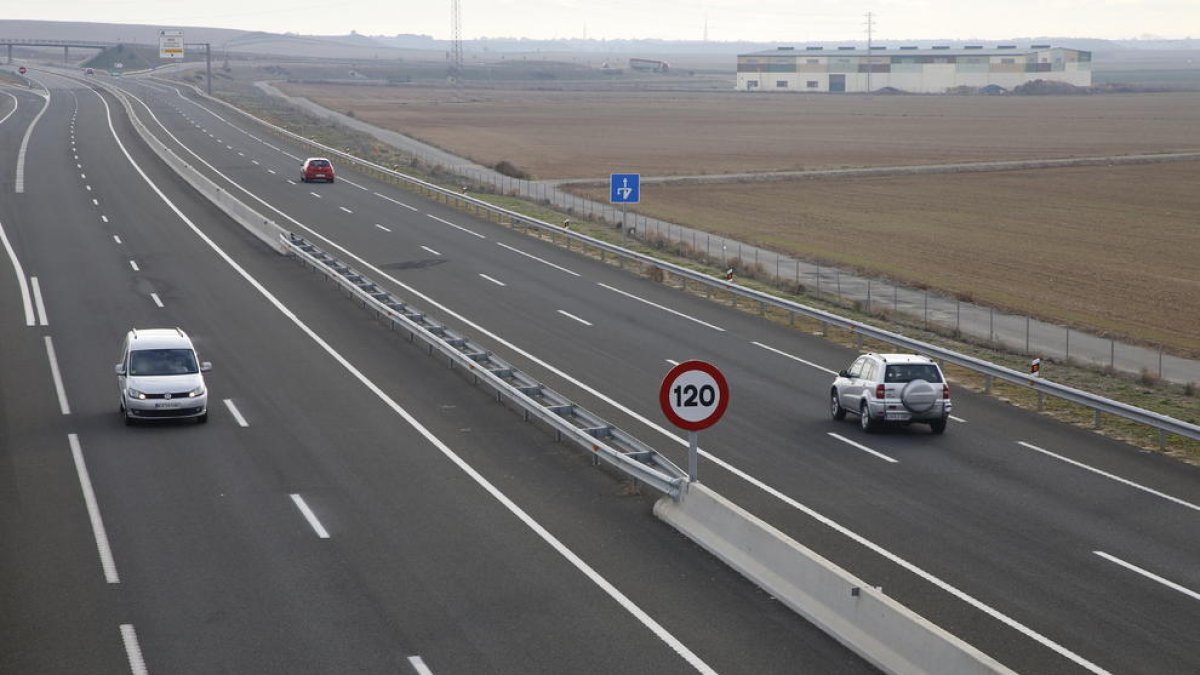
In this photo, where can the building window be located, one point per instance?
(813, 84)
(1008, 60)
(781, 84)
(812, 61)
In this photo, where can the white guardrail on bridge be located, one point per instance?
(1163, 423)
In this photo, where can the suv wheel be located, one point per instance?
(864, 419)
(938, 426)
(835, 406)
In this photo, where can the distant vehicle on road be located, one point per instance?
(159, 376)
(315, 168)
(892, 388)
(88, 71)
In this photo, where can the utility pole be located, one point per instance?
(870, 44)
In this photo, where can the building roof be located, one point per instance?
(903, 51)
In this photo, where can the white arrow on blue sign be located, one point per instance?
(624, 188)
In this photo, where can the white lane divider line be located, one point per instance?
(1149, 575)
(255, 162)
(134, 265)
(658, 306)
(314, 194)
(83, 175)
(457, 227)
(494, 281)
(864, 448)
(346, 210)
(37, 300)
(241, 154)
(22, 284)
(430, 250)
(1156, 493)
(794, 358)
(272, 171)
(20, 176)
(310, 516)
(57, 375)
(958, 419)
(237, 414)
(418, 665)
(575, 318)
(137, 664)
(88, 188)
(104, 218)
(398, 203)
(382, 227)
(95, 202)
(93, 509)
(116, 238)
(534, 257)
(155, 298)
(672, 362)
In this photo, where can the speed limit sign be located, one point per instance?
(694, 395)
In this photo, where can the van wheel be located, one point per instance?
(864, 419)
(203, 418)
(129, 421)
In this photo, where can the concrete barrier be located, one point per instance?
(881, 630)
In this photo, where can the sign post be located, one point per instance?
(693, 396)
(623, 189)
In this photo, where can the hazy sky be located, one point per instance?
(757, 20)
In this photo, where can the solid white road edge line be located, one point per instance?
(457, 227)
(665, 309)
(310, 516)
(534, 257)
(494, 281)
(37, 300)
(93, 509)
(20, 178)
(16, 104)
(137, 664)
(418, 665)
(237, 414)
(828, 522)
(22, 284)
(57, 375)
(572, 316)
(1081, 465)
(613, 592)
(399, 203)
(864, 448)
(1149, 575)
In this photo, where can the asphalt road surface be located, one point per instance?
(376, 513)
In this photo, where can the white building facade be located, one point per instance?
(925, 71)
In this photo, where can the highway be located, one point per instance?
(1049, 548)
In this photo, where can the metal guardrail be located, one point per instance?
(569, 420)
(1163, 423)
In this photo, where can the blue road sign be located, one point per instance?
(624, 188)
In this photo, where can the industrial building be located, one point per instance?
(934, 70)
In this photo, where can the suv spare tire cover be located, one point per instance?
(919, 396)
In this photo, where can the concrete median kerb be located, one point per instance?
(878, 628)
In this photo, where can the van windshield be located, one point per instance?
(162, 362)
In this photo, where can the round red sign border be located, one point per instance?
(664, 395)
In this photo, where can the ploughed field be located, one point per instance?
(1113, 249)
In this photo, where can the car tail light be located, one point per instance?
(945, 390)
(879, 391)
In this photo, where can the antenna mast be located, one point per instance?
(870, 44)
(456, 54)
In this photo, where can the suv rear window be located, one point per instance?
(907, 372)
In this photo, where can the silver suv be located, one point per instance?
(160, 377)
(882, 388)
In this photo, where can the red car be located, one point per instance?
(315, 168)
